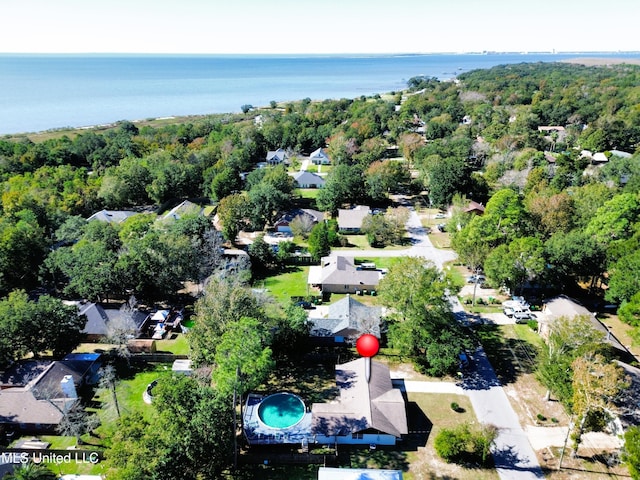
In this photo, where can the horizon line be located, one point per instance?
(407, 53)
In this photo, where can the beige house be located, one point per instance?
(342, 275)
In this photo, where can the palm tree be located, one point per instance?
(31, 471)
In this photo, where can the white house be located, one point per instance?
(308, 180)
(320, 157)
(277, 157)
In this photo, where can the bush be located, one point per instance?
(450, 444)
(462, 445)
(541, 417)
(455, 407)
(533, 325)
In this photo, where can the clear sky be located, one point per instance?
(318, 26)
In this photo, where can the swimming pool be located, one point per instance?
(281, 410)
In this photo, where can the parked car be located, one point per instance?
(440, 215)
(464, 361)
(476, 278)
(305, 305)
(522, 317)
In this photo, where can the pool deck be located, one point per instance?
(257, 433)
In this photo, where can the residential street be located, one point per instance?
(514, 457)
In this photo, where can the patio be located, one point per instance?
(257, 433)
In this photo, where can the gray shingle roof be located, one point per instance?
(352, 218)
(342, 271)
(348, 317)
(362, 406)
(111, 216)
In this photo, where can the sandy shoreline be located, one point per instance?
(602, 61)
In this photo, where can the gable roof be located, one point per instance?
(362, 405)
(353, 217)
(563, 306)
(348, 317)
(278, 155)
(319, 153)
(99, 317)
(315, 215)
(308, 178)
(19, 405)
(183, 208)
(474, 207)
(342, 271)
(111, 216)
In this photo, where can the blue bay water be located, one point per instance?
(41, 92)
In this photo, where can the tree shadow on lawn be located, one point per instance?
(312, 376)
(510, 357)
(383, 457)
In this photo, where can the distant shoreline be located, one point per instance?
(601, 61)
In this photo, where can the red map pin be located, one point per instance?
(367, 346)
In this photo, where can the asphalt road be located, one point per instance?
(513, 455)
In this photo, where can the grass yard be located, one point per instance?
(311, 193)
(129, 392)
(430, 412)
(177, 346)
(293, 282)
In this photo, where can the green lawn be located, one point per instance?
(177, 346)
(311, 193)
(433, 412)
(293, 282)
(129, 392)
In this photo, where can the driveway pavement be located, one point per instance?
(421, 246)
(513, 455)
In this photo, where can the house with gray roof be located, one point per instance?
(111, 216)
(98, 319)
(350, 220)
(276, 157)
(365, 413)
(347, 319)
(183, 208)
(341, 275)
(320, 157)
(563, 306)
(306, 179)
(308, 214)
(36, 395)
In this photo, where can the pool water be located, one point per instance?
(281, 410)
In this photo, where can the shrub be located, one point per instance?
(461, 444)
(541, 417)
(533, 325)
(450, 443)
(455, 407)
